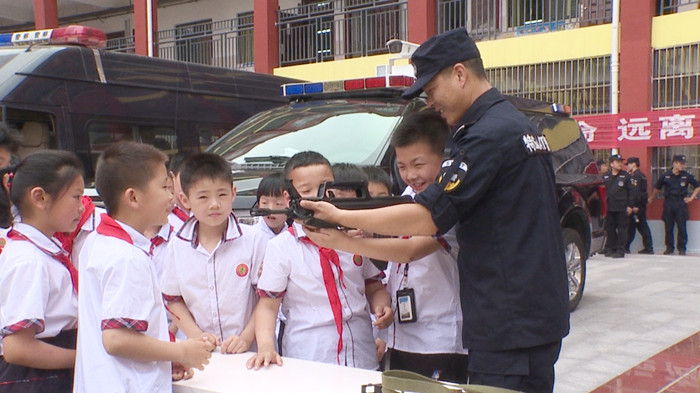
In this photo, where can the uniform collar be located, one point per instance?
(50, 245)
(188, 232)
(93, 221)
(409, 191)
(265, 228)
(475, 112)
(297, 230)
(164, 232)
(117, 229)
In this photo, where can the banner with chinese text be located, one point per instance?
(655, 128)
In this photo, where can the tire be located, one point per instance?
(575, 265)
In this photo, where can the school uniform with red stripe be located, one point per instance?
(324, 302)
(118, 289)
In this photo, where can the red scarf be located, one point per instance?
(67, 239)
(181, 214)
(109, 227)
(61, 256)
(329, 256)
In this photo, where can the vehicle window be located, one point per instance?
(209, 135)
(353, 133)
(102, 134)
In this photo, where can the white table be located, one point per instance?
(228, 373)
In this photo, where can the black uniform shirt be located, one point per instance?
(617, 189)
(638, 189)
(676, 185)
(499, 186)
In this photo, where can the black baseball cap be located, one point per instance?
(679, 158)
(633, 160)
(615, 157)
(437, 53)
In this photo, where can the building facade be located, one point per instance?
(554, 50)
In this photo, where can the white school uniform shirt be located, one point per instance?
(159, 246)
(118, 288)
(292, 269)
(218, 287)
(435, 282)
(265, 229)
(35, 288)
(85, 230)
(178, 217)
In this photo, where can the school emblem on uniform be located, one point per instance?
(357, 260)
(452, 174)
(242, 270)
(3, 242)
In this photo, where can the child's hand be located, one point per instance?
(213, 339)
(235, 344)
(180, 372)
(264, 358)
(384, 317)
(196, 352)
(381, 348)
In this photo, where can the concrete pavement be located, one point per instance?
(632, 308)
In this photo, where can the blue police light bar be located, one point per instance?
(310, 88)
(6, 39)
(293, 89)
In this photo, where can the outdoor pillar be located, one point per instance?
(141, 27)
(266, 47)
(45, 14)
(635, 55)
(422, 20)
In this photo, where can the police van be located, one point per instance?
(351, 121)
(61, 91)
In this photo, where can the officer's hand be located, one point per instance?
(688, 199)
(326, 237)
(649, 201)
(629, 211)
(635, 209)
(322, 210)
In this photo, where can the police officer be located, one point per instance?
(617, 188)
(498, 185)
(676, 198)
(638, 219)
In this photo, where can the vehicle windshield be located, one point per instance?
(343, 131)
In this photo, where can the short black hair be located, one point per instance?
(377, 175)
(204, 166)
(303, 159)
(175, 162)
(9, 138)
(125, 165)
(52, 170)
(423, 126)
(346, 172)
(272, 185)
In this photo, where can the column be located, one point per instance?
(45, 14)
(141, 26)
(422, 20)
(265, 36)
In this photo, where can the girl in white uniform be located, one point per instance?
(38, 283)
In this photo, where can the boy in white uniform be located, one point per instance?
(270, 195)
(427, 337)
(123, 342)
(213, 261)
(324, 294)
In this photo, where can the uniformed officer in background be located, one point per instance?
(498, 184)
(617, 189)
(638, 218)
(675, 184)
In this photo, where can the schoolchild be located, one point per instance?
(324, 293)
(180, 213)
(213, 260)
(346, 173)
(423, 278)
(123, 338)
(379, 183)
(38, 283)
(270, 195)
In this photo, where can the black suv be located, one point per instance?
(356, 126)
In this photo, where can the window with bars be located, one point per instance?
(662, 156)
(676, 77)
(583, 84)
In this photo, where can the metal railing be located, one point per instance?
(674, 6)
(338, 30)
(583, 84)
(676, 78)
(488, 19)
(227, 43)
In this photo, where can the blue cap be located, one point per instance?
(615, 157)
(437, 53)
(679, 158)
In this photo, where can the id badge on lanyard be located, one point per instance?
(406, 302)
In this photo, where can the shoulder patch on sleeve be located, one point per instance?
(535, 144)
(453, 172)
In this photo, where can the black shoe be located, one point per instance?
(681, 252)
(668, 252)
(618, 255)
(645, 251)
(608, 253)
(627, 251)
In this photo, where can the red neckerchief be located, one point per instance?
(109, 227)
(329, 256)
(61, 256)
(181, 214)
(67, 239)
(157, 240)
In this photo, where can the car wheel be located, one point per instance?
(575, 265)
